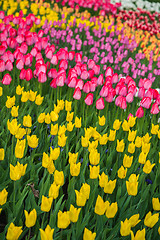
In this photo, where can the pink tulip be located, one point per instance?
(52, 73)
(109, 72)
(141, 92)
(100, 80)
(71, 55)
(28, 59)
(84, 75)
(111, 95)
(129, 97)
(78, 57)
(121, 102)
(42, 77)
(61, 80)
(86, 87)
(104, 91)
(2, 66)
(100, 104)
(155, 108)
(114, 78)
(77, 93)
(9, 65)
(91, 64)
(79, 84)
(72, 82)
(19, 64)
(146, 102)
(123, 90)
(89, 99)
(6, 79)
(140, 112)
(54, 60)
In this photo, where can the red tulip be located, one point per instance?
(139, 112)
(2, 66)
(29, 74)
(53, 83)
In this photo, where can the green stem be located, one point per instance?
(29, 234)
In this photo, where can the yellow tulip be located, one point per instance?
(94, 157)
(111, 210)
(3, 196)
(18, 171)
(122, 172)
(25, 96)
(142, 158)
(13, 232)
(59, 177)
(74, 213)
(69, 116)
(150, 220)
(156, 204)
(54, 190)
(125, 126)
(131, 135)
(1, 154)
(47, 234)
(46, 204)
(138, 142)
(88, 235)
(10, 102)
(68, 106)
(125, 229)
(110, 186)
(120, 146)
(41, 117)
(70, 127)
(75, 169)
(39, 100)
(132, 185)
(30, 218)
(140, 235)
(32, 96)
(78, 123)
(62, 140)
(127, 161)
(72, 157)
(117, 124)
(54, 129)
(54, 153)
(63, 219)
(19, 90)
(54, 116)
(134, 220)
(112, 135)
(148, 167)
(32, 141)
(20, 147)
(94, 171)
(14, 111)
(47, 118)
(80, 199)
(154, 129)
(100, 206)
(85, 189)
(131, 148)
(103, 178)
(102, 120)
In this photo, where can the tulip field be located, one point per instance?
(80, 121)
